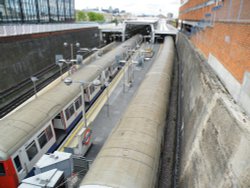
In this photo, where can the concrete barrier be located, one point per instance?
(215, 132)
(25, 55)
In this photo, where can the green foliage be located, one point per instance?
(81, 16)
(95, 16)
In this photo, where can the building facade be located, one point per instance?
(221, 30)
(36, 11)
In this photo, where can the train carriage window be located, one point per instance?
(49, 132)
(69, 111)
(106, 73)
(42, 139)
(72, 110)
(18, 163)
(31, 150)
(2, 170)
(78, 102)
(91, 89)
(58, 116)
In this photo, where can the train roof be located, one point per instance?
(110, 58)
(130, 156)
(18, 127)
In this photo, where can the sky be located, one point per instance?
(152, 7)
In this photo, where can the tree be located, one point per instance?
(95, 16)
(81, 16)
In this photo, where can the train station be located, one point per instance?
(143, 95)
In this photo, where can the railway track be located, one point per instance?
(27, 90)
(25, 87)
(170, 161)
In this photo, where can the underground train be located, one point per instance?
(41, 125)
(130, 156)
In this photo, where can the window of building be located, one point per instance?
(29, 10)
(2, 170)
(69, 111)
(36, 11)
(42, 139)
(54, 8)
(72, 10)
(18, 163)
(43, 10)
(31, 150)
(12, 11)
(61, 10)
(2, 10)
(78, 102)
(67, 9)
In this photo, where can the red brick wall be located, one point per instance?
(191, 3)
(196, 15)
(229, 37)
(230, 43)
(237, 10)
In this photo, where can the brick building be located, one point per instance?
(221, 30)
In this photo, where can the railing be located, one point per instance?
(15, 29)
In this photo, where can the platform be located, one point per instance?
(109, 116)
(103, 117)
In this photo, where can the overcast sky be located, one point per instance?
(134, 6)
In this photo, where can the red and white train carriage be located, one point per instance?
(41, 125)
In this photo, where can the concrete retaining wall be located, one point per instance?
(215, 130)
(23, 56)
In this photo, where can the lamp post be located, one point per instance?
(132, 67)
(128, 49)
(77, 44)
(88, 50)
(34, 79)
(107, 90)
(83, 84)
(60, 64)
(123, 61)
(67, 62)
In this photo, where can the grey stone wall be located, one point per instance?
(215, 132)
(23, 56)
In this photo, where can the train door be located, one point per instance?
(59, 127)
(58, 122)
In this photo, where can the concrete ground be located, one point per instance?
(112, 113)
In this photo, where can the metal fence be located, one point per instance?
(13, 30)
